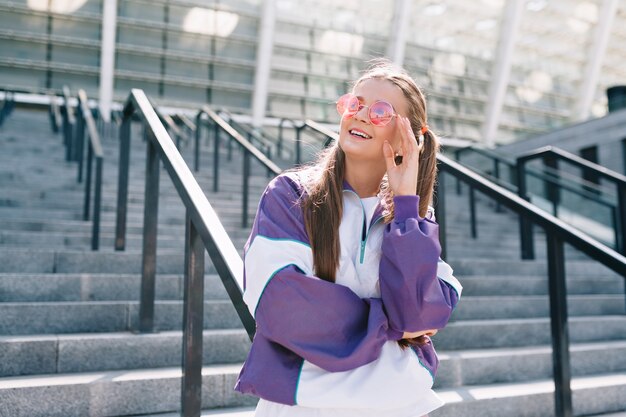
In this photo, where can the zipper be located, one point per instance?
(364, 240)
(365, 231)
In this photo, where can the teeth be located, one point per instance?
(361, 134)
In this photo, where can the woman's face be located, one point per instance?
(370, 147)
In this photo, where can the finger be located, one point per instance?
(389, 156)
(405, 138)
(412, 139)
(410, 144)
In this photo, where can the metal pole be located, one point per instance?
(457, 155)
(246, 187)
(122, 185)
(526, 231)
(496, 173)
(88, 184)
(440, 213)
(97, 206)
(559, 328)
(621, 218)
(472, 202)
(80, 149)
(298, 146)
(193, 314)
(150, 217)
(216, 159)
(196, 159)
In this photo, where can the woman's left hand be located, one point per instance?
(403, 177)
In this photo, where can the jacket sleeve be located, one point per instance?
(417, 287)
(325, 323)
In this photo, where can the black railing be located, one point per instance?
(85, 120)
(69, 124)
(588, 169)
(7, 105)
(56, 120)
(557, 233)
(497, 162)
(204, 231)
(281, 140)
(219, 125)
(186, 123)
(172, 128)
(325, 133)
(254, 137)
(555, 182)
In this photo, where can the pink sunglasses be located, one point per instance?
(379, 114)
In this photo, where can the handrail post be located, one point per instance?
(552, 190)
(621, 218)
(457, 156)
(193, 315)
(496, 173)
(472, 203)
(216, 156)
(122, 185)
(88, 184)
(279, 144)
(78, 134)
(526, 228)
(229, 146)
(440, 213)
(97, 206)
(298, 144)
(150, 218)
(80, 141)
(246, 188)
(559, 327)
(196, 151)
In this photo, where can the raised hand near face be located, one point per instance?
(403, 177)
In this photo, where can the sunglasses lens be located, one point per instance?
(347, 105)
(381, 113)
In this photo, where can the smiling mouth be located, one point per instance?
(359, 134)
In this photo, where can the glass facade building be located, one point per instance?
(191, 52)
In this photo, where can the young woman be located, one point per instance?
(342, 269)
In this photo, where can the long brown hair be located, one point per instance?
(323, 208)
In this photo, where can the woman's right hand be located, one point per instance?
(413, 335)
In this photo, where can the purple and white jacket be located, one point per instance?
(334, 345)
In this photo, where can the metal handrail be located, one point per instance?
(279, 145)
(547, 175)
(587, 167)
(69, 123)
(512, 165)
(186, 122)
(248, 149)
(8, 104)
(251, 133)
(204, 231)
(557, 233)
(94, 150)
(172, 127)
(55, 114)
(316, 128)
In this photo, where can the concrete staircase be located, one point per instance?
(68, 315)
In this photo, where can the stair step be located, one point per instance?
(115, 393)
(477, 334)
(88, 352)
(591, 394)
(106, 316)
